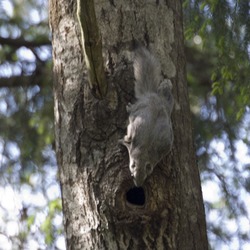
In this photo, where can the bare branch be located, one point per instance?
(19, 42)
(19, 81)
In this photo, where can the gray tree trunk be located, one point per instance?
(102, 209)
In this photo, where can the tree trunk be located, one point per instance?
(102, 208)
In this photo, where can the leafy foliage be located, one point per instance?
(217, 41)
(224, 30)
(30, 214)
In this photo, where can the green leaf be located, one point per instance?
(30, 221)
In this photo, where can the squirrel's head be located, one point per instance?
(140, 165)
(140, 169)
(141, 161)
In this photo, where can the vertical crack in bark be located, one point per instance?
(92, 47)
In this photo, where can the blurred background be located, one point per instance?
(217, 37)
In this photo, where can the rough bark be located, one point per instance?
(102, 210)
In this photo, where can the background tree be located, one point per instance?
(217, 35)
(30, 198)
(222, 141)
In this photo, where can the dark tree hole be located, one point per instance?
(136, 196)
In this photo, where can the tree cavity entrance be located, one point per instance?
(136, 196)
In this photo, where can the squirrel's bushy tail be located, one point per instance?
(146, 71)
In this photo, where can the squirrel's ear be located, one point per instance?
(121, 141)
(127, 140)
(129, 107)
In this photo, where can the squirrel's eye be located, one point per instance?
(127, 139)
(133, 165)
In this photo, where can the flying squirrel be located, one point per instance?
(149, 132)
